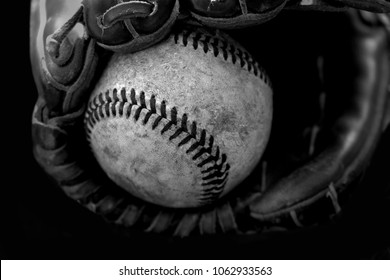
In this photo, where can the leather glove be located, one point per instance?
(292, 187)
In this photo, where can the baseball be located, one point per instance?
(182, 123)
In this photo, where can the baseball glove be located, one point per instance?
(331, 95)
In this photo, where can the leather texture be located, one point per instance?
(68, 55)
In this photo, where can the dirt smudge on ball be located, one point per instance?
(111, 154)
(225, 121)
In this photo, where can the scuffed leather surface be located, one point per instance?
(40, 222)
(61, 151)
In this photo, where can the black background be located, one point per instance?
(39, 222)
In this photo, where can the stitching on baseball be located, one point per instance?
(204, 151)
(223, 48)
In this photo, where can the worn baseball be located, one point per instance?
(182, 123)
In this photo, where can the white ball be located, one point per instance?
(182, 123)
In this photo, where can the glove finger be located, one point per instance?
(356, 133)
(62, 57)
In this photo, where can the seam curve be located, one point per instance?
(201, 146)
